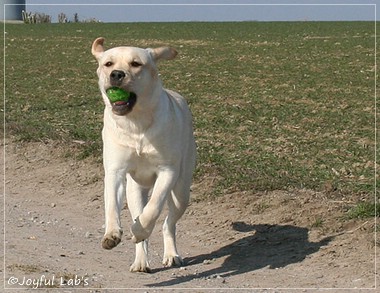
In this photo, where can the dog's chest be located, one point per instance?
(143, 146)
(143, 169)
(138, 144)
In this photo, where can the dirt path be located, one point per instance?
(280, 239)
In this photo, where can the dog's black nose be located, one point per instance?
(117, 76)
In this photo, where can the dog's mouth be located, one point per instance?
(123, 107)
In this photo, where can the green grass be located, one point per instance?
(318, 223)
(275, 105)
(364, 210)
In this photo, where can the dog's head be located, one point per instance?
(132, 69)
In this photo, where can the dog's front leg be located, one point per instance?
(113, 198)
(144, 224)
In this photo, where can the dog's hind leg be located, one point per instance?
(177, 204)
(137, 198)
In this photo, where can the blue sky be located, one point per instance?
(221, 10)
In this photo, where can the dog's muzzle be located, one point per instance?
(121, 108)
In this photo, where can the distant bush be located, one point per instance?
(91, 20)
(29, 17)
(76, 19)
(62, 18)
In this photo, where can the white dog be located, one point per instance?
(148, 149)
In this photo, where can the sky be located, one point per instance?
(217, 10)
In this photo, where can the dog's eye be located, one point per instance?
(135, 64)
(108, 64)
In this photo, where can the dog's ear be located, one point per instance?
(97, 48)
(165, 53)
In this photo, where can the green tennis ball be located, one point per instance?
(116, 94)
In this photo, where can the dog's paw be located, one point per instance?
(139, 233)
(172, 260)
(142, 267)
(111, 239)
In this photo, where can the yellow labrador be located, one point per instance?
(148, 149)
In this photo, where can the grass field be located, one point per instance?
(275, 105)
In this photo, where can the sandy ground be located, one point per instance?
(249, 242)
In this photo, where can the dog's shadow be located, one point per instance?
(272, 246)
